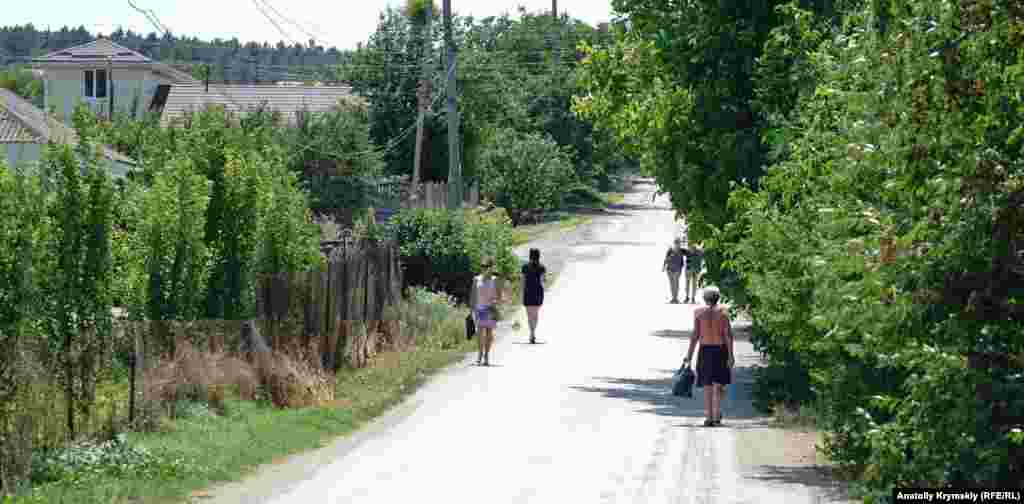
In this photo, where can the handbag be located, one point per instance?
(470, 327)
(682, 382)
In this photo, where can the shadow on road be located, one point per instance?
(610, 211)
(819, 477)
(638, 207)
(620, 244)
(654, 396)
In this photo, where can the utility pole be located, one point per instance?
(424, 99)
(454, 166)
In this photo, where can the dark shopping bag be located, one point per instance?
(682, 383)
(470, 327)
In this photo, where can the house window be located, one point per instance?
(95, 83)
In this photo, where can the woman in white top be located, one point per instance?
(484, 298)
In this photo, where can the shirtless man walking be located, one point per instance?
(711, 327)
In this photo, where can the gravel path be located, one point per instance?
(584, 417)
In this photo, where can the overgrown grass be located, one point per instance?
(201, 448)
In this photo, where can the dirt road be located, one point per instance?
(583, 417)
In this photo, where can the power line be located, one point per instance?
(388, 147)
(273, 22)
(313, 69)
(293, 23)
(165, 31)
(151, 16)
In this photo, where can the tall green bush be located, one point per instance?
(289, 239)
(78, 290)
(234, 243)
(524, 172)
(172, 228)
(22, 226)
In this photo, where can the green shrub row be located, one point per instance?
(443, 250)
(882, 248)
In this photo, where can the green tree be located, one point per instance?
(680, 89)
(289, 239)
(172, 232)
(386, 71)
(22, 226)
(80, 270)
(882, 250)
(524, 172)
(335, 156)
(235, 245)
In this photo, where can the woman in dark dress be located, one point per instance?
(533, 290)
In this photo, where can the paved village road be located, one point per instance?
(585, 417)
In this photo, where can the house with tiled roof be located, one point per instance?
(25, 131)
(106, 76)
(289, 101)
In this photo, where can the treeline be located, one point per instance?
(229, 59)
(855, 169)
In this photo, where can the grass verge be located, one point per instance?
(201, 449)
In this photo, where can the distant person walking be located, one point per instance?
(673, 266)
(694, 265)
(533, 290)
(711, 327)
(485, 297)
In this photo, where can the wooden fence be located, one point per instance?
(344, 307)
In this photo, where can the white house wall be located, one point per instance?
(64, 89)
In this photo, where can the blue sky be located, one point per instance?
(341, 23)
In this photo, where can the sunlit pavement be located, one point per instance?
(585, 416)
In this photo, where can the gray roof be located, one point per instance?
(100, 50)
(12, 130)
(236, 98)
(97, 50)
(22, 122)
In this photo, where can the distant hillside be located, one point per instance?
(229, 60)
